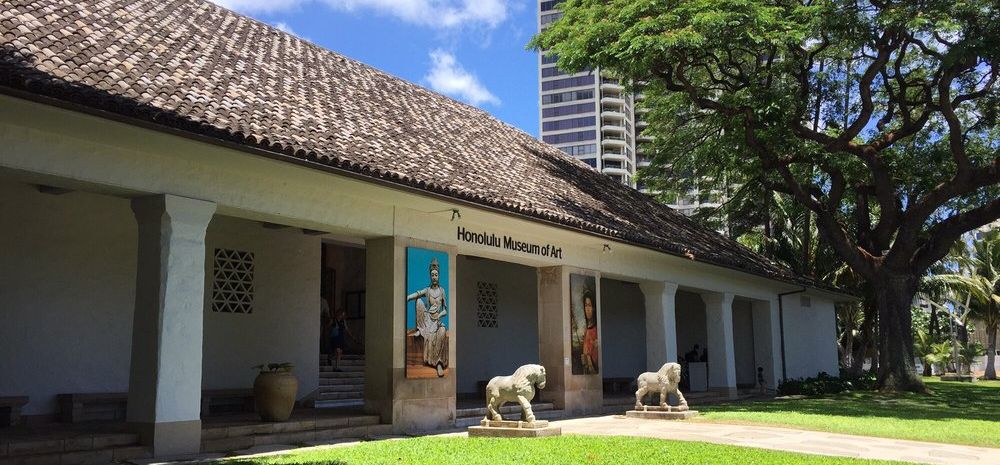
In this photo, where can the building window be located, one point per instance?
(571, 123)
(590, 161)
(549, 59)
(486, 304)
(568, 82)
(552, 71)
(580, 150)
(232, 283)
(567, 96)
(569, 110)
(570, 137)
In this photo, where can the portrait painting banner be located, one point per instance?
(427, 277)
(584, 346)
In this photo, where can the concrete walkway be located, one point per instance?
(784, 439)
(764, 437)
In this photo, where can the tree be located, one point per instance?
(981, 281)
(879, 117)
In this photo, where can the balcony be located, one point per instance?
(643, 138)
(615, 171)
(613, 142)
(614, 156)
(611, 99)
(641, 110)
(612, 87)
(612, 114)
(641, 124)
(613, 129)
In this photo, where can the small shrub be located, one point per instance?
(824, 384)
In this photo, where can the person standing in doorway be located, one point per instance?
(325, 322)
(761, 383)
(338, 337)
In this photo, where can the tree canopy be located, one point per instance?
(880, 117)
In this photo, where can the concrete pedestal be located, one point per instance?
(662, 413)
(514, 429)
(958, 377)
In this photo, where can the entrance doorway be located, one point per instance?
(342, 323)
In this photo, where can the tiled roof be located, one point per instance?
(197, 67)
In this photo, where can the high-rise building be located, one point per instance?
(590, 116)
(587, 114)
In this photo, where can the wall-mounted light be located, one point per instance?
(607, 248)
(455, 214)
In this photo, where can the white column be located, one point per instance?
(164, 399)
(721, 351)
(661, 323)
(767, 340)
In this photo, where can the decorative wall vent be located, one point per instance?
(486, 304)
(232, 283)
(805, 301)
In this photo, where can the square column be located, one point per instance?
(767, 340)
(575, 394)
(721, 350)
(164, 398)
(411, 405)
(661, 323)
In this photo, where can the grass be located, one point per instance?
(563, 450)
(954, 413)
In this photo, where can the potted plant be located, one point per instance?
(274, 391)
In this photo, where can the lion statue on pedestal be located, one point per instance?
(519, 387)
(664, 382)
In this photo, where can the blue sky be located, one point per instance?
(471, 50)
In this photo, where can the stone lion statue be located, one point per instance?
(519, 387)
(663, 382)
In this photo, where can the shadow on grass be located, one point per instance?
(947, 401)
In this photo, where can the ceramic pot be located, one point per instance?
(274, 394)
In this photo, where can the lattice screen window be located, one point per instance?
(232, 286)
(486, 304)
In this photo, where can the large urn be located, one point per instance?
(274, 394)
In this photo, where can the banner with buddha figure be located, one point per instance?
(427, 312)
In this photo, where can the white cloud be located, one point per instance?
(448, 77)
(447, 14)
(284, 27)
(260, 6)
(436, 13)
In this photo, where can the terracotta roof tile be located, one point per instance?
(196, 67)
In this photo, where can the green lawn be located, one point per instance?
(956, 413)
(563, 450)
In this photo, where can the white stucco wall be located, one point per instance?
(743, 342)
(810, 337)
(691, 323)
(623, 343)
(67, 280)
(284, 324)
(487, 352)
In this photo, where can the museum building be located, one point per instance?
(184, 190)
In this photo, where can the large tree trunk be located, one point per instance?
(991, 353)
(896, 370)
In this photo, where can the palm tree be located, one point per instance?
(981, 281)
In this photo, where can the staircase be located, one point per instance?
(344, 388)
(305, 431)
(465, 417)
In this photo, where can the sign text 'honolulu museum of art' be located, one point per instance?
(509, 243)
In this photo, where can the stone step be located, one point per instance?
(80, 449)
(343, 363)
(326, 381)
(341, 374)
(341, 395)
(295, 438)
(291, 426)
(480, 412)
(343, 368)
(342, 388)
(339, 403)
(324, 357)
(465, 422)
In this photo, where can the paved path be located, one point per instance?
(785, 439)
(764, 437)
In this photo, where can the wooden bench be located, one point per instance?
(222, 401)
(81, 407)
(10, 410)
